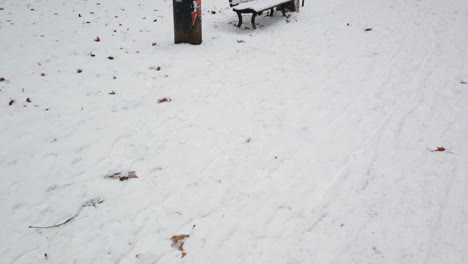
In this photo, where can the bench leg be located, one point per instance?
(272, 11)
(253, 20)
(240, 19)
(282, 10)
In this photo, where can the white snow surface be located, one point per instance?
(308, 140)
(259, 5)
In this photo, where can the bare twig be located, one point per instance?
(92, 202)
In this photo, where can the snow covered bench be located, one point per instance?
(256, 7)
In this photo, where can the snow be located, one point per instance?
(259, 5)
(308, 140)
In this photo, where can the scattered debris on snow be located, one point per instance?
(122, 176)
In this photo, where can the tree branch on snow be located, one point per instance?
(92, 202)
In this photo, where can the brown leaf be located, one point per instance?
(368, 29)
(112, 93)
(28, 100)
(92, 54)
(115, 77)
(43, 74)
(110, 58)
(2, 79)
(439, 149)
(158, 68)
(178, 243)
(1, 8)
(154, 44)
(120, 177)
(11, 102)
(213, 12)
(79, 15)
(164, 100)
(155, 20)
(97, 39)
(79, 71)
(131, 175)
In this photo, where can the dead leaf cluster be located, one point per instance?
(121, 176)
(178, 243)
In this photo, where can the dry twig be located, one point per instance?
(92, 202)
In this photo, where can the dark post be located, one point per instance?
(187, 21)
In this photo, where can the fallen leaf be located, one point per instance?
(28, 100)
(1, 8)
(2, 79)
(178, 243)
(164, 100)
(79, 15)
(11, 102)
(43, 74)
(368, 29)
(240, 41)
(155, 20)
(154, 44)
(131, 175)
(110, 58)
(439, 149)
(97, 39)
(79, 71)
(158, 68)
(115, 77)
(121, 177)
(92, 54)
(213, 12)
(112, 93)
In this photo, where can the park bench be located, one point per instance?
(257, 7)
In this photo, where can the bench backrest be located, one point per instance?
(236, 2)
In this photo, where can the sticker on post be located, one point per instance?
(196, 10)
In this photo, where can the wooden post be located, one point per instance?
(187, 21)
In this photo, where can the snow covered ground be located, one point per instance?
(308, 140)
